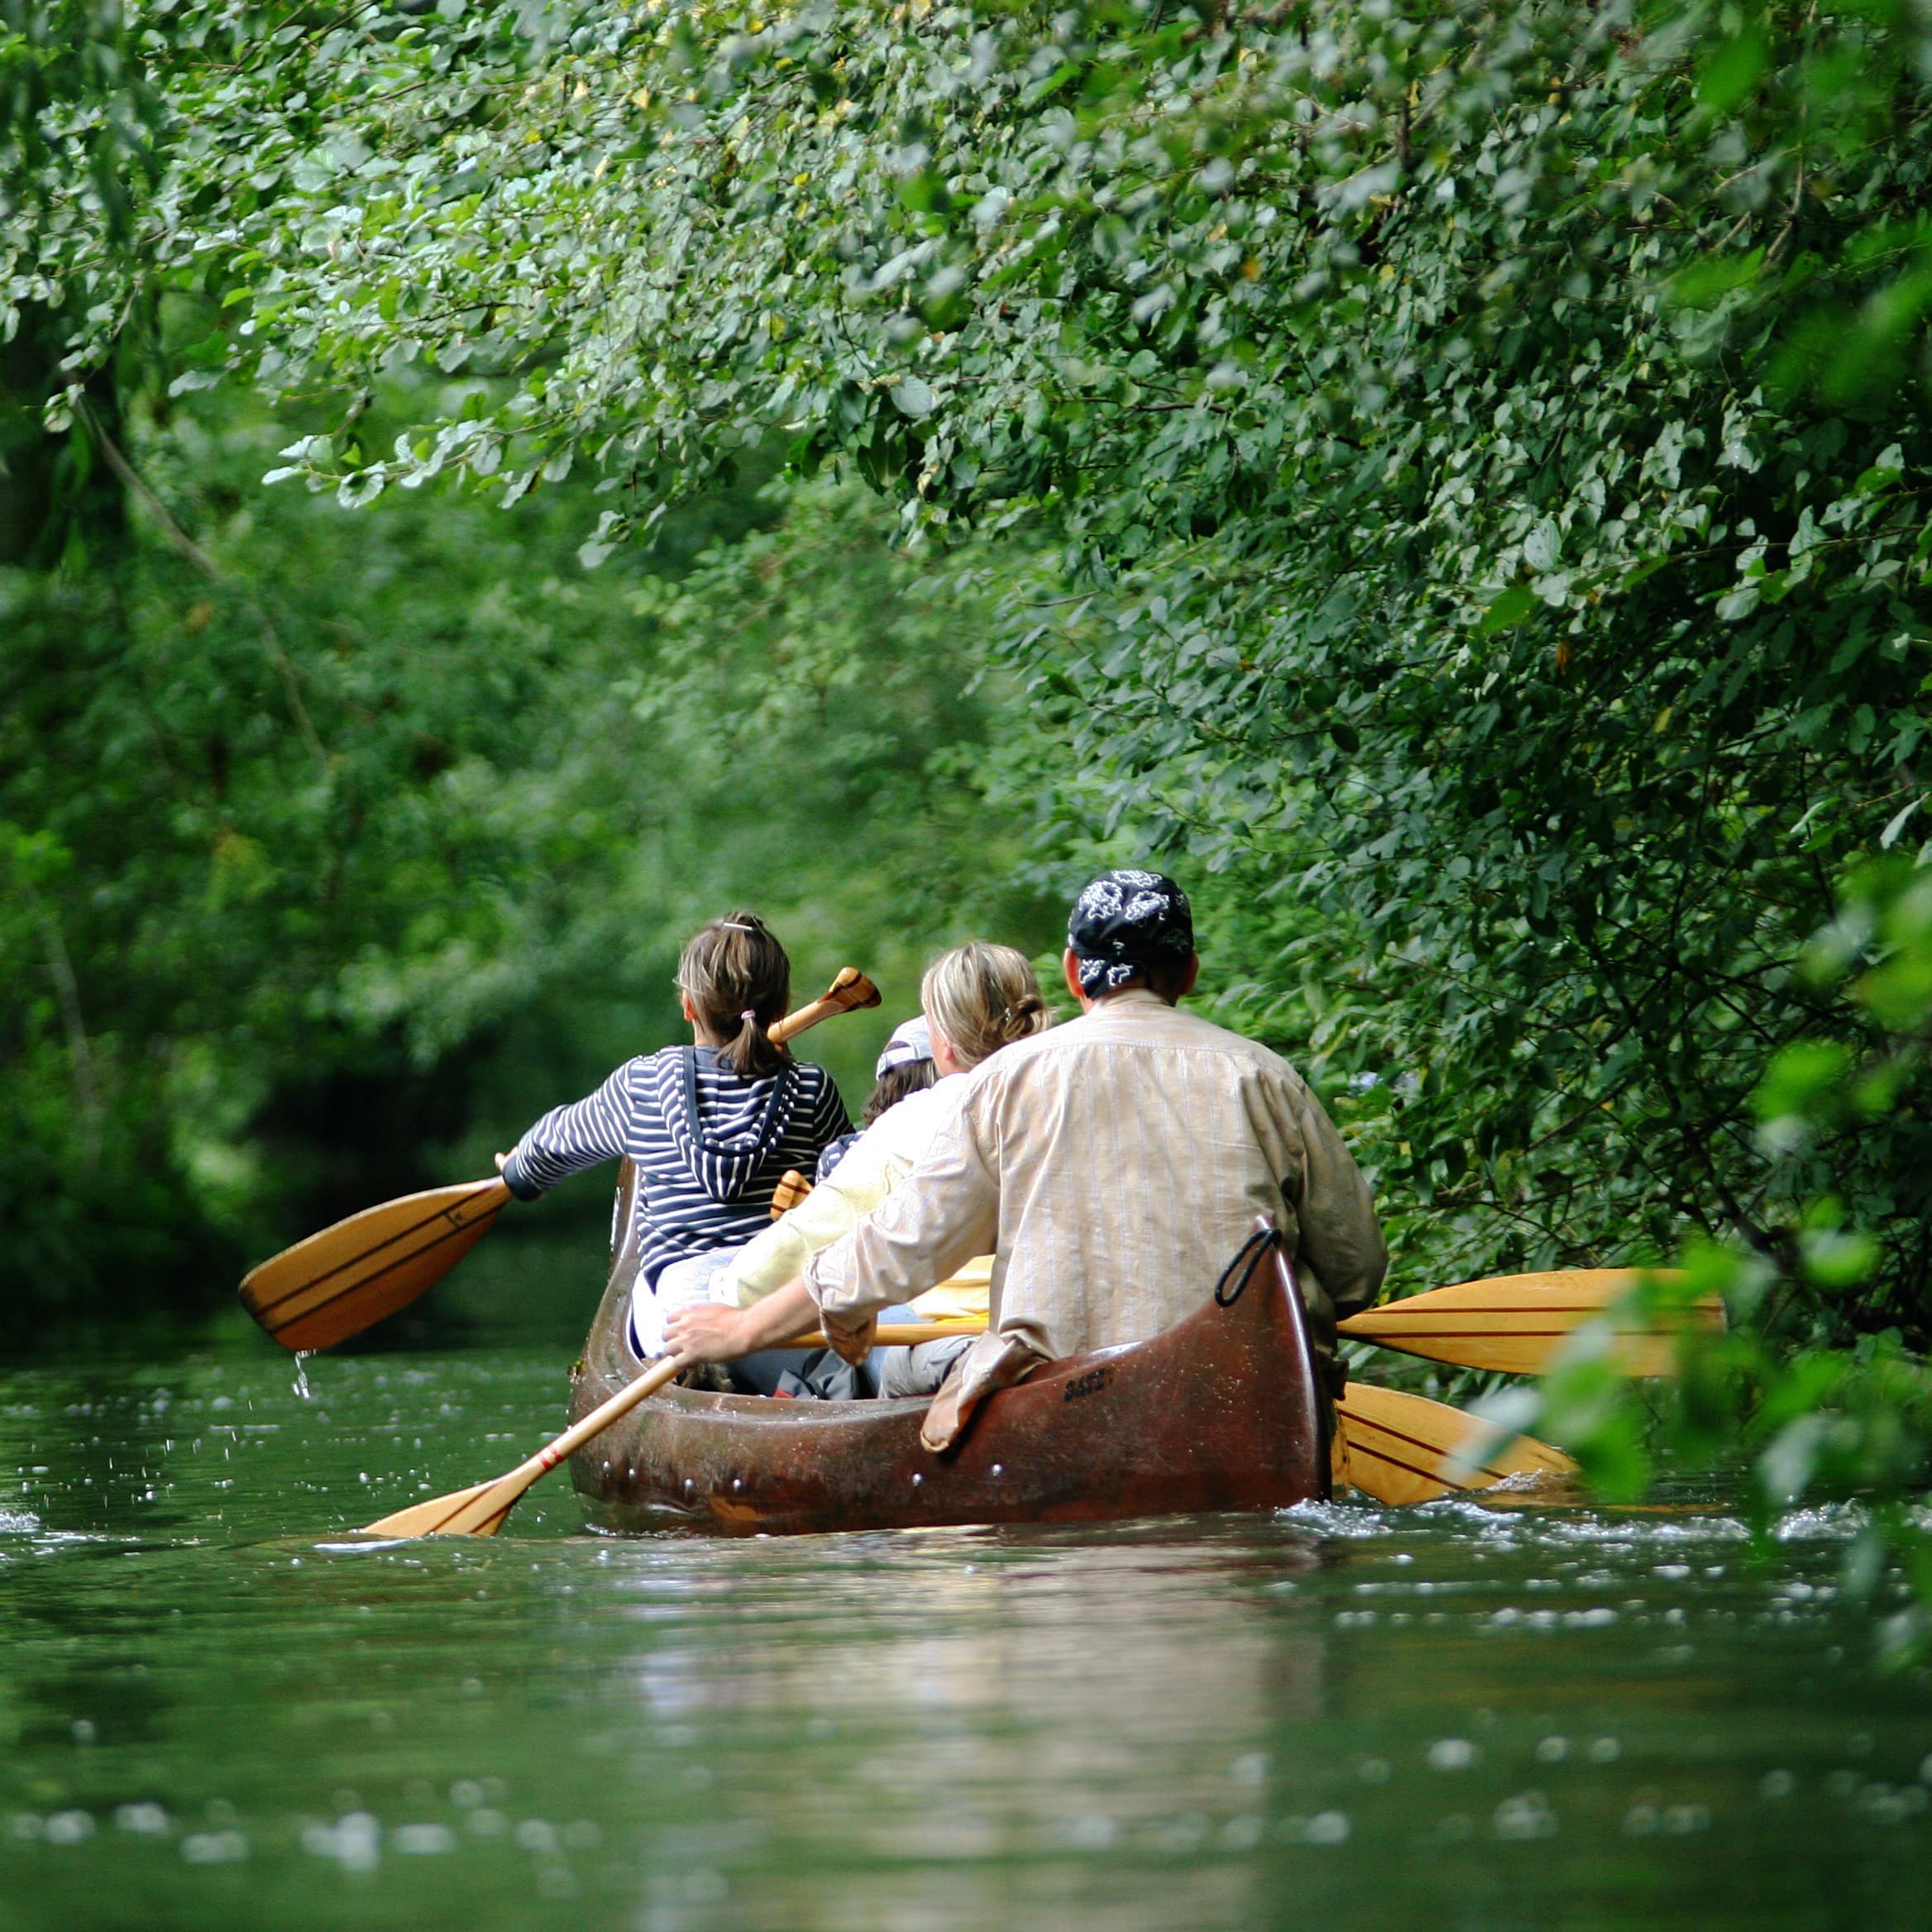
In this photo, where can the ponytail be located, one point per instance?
(754, 1052)
(739, 981)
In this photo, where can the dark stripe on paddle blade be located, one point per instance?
(1360, 1422)
(263, 1310)
(309, 1310)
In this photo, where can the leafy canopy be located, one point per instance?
(1478, 453)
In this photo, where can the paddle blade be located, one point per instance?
(792, 1188)
(480, 1511)
(1403, 1448)
(344, 1280)
(1516, 1322)
(474, 1512)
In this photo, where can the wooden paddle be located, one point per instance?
(1510, 1322)
(479, 1511)
(1402, 1449)
(792, 1188)
(348, 1277)
(1515, 1322)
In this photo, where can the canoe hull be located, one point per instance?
(1222, 1411)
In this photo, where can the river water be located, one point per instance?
(217, 1710)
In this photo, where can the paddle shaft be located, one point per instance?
(599, 1418)
(481, 1510)
(894, 1335)
(793, 1023)
(850, 990)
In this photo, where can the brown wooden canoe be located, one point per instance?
(1222, 1412)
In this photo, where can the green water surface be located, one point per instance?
(218, 1710)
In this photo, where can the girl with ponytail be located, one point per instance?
(975, 1000)
(712, 1126)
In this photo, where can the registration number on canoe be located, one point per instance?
(1090, 1383)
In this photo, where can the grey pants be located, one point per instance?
(918, 1370)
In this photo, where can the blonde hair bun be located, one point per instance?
(982, 996)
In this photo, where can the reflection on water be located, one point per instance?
(217, 1710)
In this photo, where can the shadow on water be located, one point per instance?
(217, 1710)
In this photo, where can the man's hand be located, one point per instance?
(851, 1336)
(710, 1333)
(715, 1332)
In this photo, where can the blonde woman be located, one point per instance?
(976, 999)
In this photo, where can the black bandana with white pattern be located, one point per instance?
(1125, 922)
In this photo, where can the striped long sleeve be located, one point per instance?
(569, 1139)
(709, 1146)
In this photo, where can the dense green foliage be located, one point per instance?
(1809, 1425)
(1450, 477)
(323, 869)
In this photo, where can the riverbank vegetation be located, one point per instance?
(1449, 481)
(343, 845)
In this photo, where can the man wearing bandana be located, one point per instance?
(1113, 1165)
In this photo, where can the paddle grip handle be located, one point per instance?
(850, 989)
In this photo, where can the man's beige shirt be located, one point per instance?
(1114, 1165)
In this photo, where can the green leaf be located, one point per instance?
(1703, 283)
(1734, 70)
(912, 396)
(1510, 607)
(1804, 1081)
(925, 192)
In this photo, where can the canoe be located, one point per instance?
(1222, 1412)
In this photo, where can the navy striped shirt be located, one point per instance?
(709, 1146)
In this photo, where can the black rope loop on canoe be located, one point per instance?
(1250, 1252)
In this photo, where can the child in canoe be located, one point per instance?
(904, 1068)
(712, 1126)
(976, 999)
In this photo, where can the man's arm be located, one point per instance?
(946, 1210)
(1339, 1237)
(711, 1331)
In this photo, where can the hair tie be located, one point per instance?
(747, 1014)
